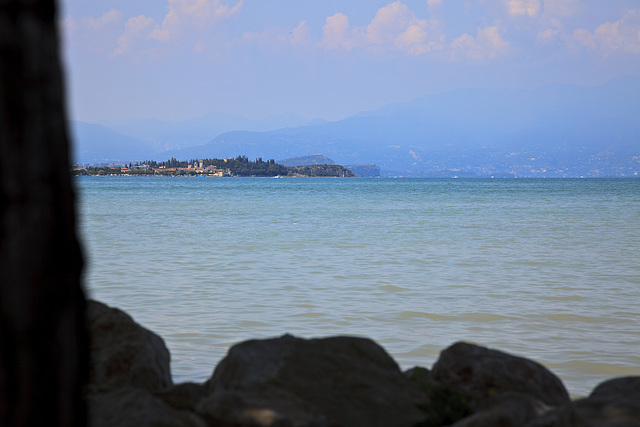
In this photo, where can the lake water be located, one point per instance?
(547, 269)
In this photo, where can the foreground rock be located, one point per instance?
(339, 381)
(135, 407)
(123, 353)
(623, 388)
(613, 403)
(472, 385)
(482, 374)
(496, 388)
(129, 365)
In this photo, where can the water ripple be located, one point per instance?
(546, 269)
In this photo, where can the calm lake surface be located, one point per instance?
(547, 269)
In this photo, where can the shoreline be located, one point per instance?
(333, 381)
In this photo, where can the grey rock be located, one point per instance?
(592, 413)
(622, 388)
(134, 407)
(332, 382)
(482, 375)
(123, 353)
(337, 381)
(601, 413)
(418, 374)
(184, 396)
(260, 408)
(511, 410)
(613, 403)
(443, 406)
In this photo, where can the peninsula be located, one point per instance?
(232, 167)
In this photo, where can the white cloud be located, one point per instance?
(69, 26)
(94, 34)
(200, 46)
(391, 21)
(524, 7)
(586, 38)
(394, 27)
(554, 16)
(185, 15)
(186, 23)
(608, 36)
(551, 31)
(301, 35)
(135, 29)
(413, 40)
(562, 8)
(110, 18)
(336, 33)
(488, 44)
(434, 3)
(613, 37)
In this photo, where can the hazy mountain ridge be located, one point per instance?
(556, 130)
(93, 143)
(142, 139)
(166, 135)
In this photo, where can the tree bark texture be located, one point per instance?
(43, 342)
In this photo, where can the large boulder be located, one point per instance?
(337, 381)
(134, 407)
(613, 403)
(185, 396)
(123, 353)
(622, 388)
(492, 387)
(592, 413)
(482, 375)
(447, 406)
(600, 413)
(130, 376)
(511, 409)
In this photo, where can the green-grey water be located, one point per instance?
(546, 269)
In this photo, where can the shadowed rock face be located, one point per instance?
(43, 362)
(483, 374)
(134, 407)
(130, 376)
(123, 353)
(598, 413)
(495, 388)
(623, 388)
(613, 403)
(471, 385)
(338, 381)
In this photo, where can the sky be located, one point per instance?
(181, 59)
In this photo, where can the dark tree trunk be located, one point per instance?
(43, 343)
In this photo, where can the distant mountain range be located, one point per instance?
(99, 144)
(554, 131)
(136, 139)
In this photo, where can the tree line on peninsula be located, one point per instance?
(240, 166)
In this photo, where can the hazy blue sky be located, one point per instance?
(178, 59)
